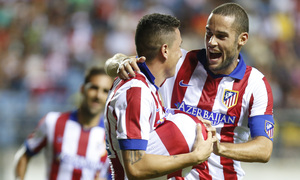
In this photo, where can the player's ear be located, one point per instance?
(243, 38)
(164, 51)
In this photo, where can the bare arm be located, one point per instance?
(122, 65)
(259, 149)
(139, 165)
(21, 163)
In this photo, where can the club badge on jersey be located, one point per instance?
(230, 98)
(269, 129)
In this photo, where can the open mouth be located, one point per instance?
(213, 55)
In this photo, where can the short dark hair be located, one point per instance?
(241, 21)
(152, 31)
(93, 71)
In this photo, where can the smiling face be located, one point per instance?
(222, 43)
(95, 93)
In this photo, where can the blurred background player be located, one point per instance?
(216, 83)
(134, 111)
(74, 141)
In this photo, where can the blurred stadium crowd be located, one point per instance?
(46, 46)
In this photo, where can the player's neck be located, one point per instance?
(88, 120)
(157, 70)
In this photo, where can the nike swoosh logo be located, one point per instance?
(183, 84)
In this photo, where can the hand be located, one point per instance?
(216, 147)
(209, 127)
(202, 148)
(128, 66)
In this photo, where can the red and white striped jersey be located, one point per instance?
(236, 104)
(71, 151)
(176, 136)
(135, 119)
(133, 108)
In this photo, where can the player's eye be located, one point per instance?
(105, 90)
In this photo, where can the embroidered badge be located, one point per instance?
(230, 98)
(269, 128)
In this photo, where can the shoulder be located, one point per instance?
(52, 117)
(138, 81)
(137, 86)
(254, 74)
(195, 56)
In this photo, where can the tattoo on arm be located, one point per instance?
(136, 156)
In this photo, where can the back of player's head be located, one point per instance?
(93, 71)
(153, 31)
(241, 21)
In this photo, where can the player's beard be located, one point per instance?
(89, 111)
(230, 57)
(224, 65)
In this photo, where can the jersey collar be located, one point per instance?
(237, 73)
(145, 70)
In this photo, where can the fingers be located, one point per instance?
(141, 59)
(129, 65)
(122, 73)
(199, 137)
(199, 131)
(134, 65)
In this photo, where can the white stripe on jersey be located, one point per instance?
(69, 148)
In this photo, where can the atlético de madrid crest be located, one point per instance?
(230, 98)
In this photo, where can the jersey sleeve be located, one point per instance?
(133, 111)
(37, 139)
(261, 121)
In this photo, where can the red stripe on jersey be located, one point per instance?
(76, 174)
(202, 169)
(269, 109)
(184, 74)
(117, 169)
(209, 93)
(57, 143)
(133, 112)
(250, 104)
(81, 151)
(83, 142)
(179, 178)
(206, 102)
(170, 135)
(227, 131)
